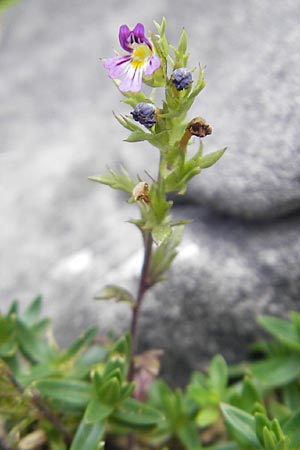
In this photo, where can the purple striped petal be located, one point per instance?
(133, 81)
(117, 66)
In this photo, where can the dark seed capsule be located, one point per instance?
(144, 113)
(181, 78)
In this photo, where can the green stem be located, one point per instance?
(144, 285)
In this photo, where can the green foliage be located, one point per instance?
(122, 181)
(85, 387)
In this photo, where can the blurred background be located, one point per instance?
(65, 237)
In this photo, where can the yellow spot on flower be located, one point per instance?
(139, 55)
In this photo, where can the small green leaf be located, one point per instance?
(88, 436)
(218, 374)
(241, 425)
(96, 411)
(202, 395)
(164, 254)
(189, 436)
(276, 371)
(198, 86)
(32, 312)
(8, 343)
(182, 45)
(269, 439)
(138, 136)
(80, 344)
(136, 415)
(122, 182)
(250, 395)
(122, 346)
(211, 158)
(160, 233)
(291, 395)
(275, 427)
(207, 416)
(282, 330)
(31, 343)
(261, 421)
(72, 394)
(292, 429)
(117, 293)
(109, 392)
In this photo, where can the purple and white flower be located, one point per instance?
(138, 61)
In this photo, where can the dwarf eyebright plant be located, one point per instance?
(101, 392)
(152, 61)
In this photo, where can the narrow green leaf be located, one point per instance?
(218, 374)
(211, 158)
(32, 344)
(161, 233)
(80, 344)
(261, 421)
(117, 293)
(88, 436)
(164, 254)
(8, 343)
(182, 45)
(292, 429)
(32, 312)
(189, 436)
(269, 439)
(136, 415)
(275, 427)
(109, 392)
(250, 395)
(198, 86)
(207, 416)
(291, 395)
(282, 330)
(138, 136)
(122, 182)
(295, 319)
(276, 371)
(73, 393)
(13, 308)
(241, 425)
(97, 411)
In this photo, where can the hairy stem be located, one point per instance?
(144, 285)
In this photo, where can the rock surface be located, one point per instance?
(66, 237)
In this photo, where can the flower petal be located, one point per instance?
(132, 82)
(151, 65)
(117, 66)
(139, 35)
(124, 33)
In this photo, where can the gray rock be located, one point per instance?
(65, 237)
(226, 274)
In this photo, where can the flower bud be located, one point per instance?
(181, 78)
(144, 113)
